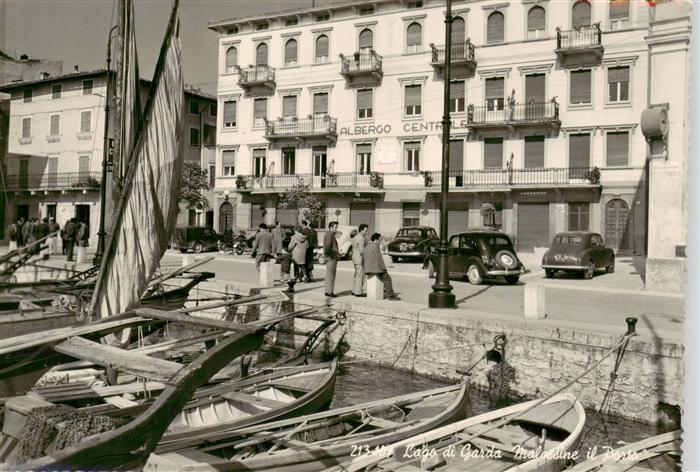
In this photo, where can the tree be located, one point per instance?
(300, 197)
(194, 180)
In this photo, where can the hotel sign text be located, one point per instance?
(411, 127)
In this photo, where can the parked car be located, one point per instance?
(344, 236)
(195, 238)
(479, 255)
(578, 252)
(412, 242)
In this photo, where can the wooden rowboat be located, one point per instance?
(315, 442)
(530, 436)
(658, 453)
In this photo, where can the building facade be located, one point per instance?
(56, 143)
(545, 104)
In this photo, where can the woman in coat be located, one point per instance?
(298, 246)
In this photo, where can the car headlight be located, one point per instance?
(544, 257)
(410, 246)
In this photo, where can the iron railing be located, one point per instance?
(256, 74)
(514, 177)
(321, 125)
(361, 62)
(461, 52)
(340, 180)
(580, 38)
(58, 181)
(534, 112)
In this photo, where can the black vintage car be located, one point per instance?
(578, 252)
(412, 242)
(479, 255)
(195, 238)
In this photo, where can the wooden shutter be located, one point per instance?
(320, 103)
(260, 108)
(83, 166)
(261, 54)
(364, 149)
(457, 35)
(26, 127)
(229, 114)
(534, 88)
(366, 38)
(535, 18)
(290, 51)
(534, 152)
(55, 125)
(228, 158)
(617, 148)
(533, 226)
(231, 57)
(580, 150)
(413, 34)
(456, 89)
(619, 9)
(456, 155)
(618, 74)
(364, 99)
(581, 14)
(493, 153)
(581, 86)
(53, 171)
(289, 105)
(494, 28)
(413, 95)
(322, 46)
(85, 119)
(494, 87)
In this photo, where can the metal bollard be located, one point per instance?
(534, 301)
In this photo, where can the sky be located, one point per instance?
(76, 31)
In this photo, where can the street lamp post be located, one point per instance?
(97, 260)
(442, 296)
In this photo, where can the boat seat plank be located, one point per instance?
(560, 415)
(120, 359)
(248, 398)
(382, 423)
(120, 402)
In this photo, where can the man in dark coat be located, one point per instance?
(277, 239)
(20, 232)
(330, 250)
(69, 231)
(41, 230)
(374, 265)
(262, 246)
(312, 239)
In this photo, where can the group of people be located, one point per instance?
(25, 233)
(366, 256)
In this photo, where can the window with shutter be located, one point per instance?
(212, 109)
(84, 166)
(579, 153)
(619, 13)
(456, 155)
(212, 176)
(26, 127)
(414, 37)
(55, 125)
(194, 136)
(412, 100)
(618, 84)
(231, 60)
(27, 98)
(580, 87)
(494, 89)
(493, 153)
(85, 121)
(581, 14)
(261, 54)
(87, 87)
(495, 32)
(366, 39)
(534, 152)
(412, 153)
(458, 30)
(364, 156)
(289, 106)
(230, 114)
(320, 104)
(411, 214)
(56, 91)
(53, 171)
(322, 49)
(536, 22)
(289, 161)
(617, 149)
(364, 103)
(578, 216)
(228, 162)
(259, 162)
(290, 52)
(194, 107)
(259, 111)
(534, 88)
(457, 99)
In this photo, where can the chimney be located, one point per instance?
(76, 68)
(23, 57)
(44, 75)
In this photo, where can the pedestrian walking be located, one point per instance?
(312, 238)
(12, 231)
(68, 237)
(359, 242)
(374, 265)
(262, 246)
(53, 229)
(28, 232)
(277, 240)
(82, 235)
(299, 245)
(330, 250)
(20, 232)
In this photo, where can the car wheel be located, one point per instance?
(224, 247)
(321, 259)
(431, 270)
(197, 247)
(239, 250)
(394, 259)
(506, 259)
(590, 269)
(474, 274)
(549, 273)
(512, 279)
(611, 267)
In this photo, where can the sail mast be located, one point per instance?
(123, 29)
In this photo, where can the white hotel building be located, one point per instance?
(546, 99)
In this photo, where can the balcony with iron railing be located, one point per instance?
(57, 181)
(364, 68)
(257, 78)
(511, 116)
(462, 59)
(515, 178)
(583, 44)
(331, 181)
(321, 129)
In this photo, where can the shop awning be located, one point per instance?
(405, 196)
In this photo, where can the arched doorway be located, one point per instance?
(617, 225)
(225, 218)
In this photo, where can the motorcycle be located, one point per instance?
(234, 244)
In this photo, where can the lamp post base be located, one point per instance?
(441, 300)
(97, 260)
(442, 296)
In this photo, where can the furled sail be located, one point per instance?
(147, 210)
